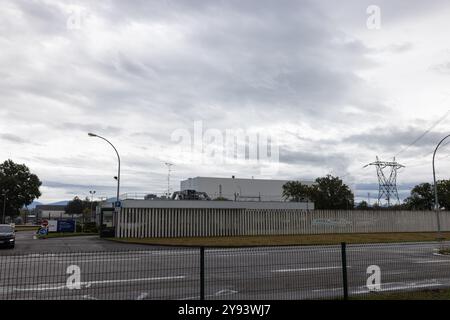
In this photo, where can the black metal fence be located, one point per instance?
(257, 273)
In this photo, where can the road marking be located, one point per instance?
(225, 292)
(433, 261)
(87, 284)
(142, 296)
(326, 290)
(400, 287)
(97, 260)
(307, 269)
(227, 255)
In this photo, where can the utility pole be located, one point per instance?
(169, 170)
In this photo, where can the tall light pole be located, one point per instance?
(118, 157)
(436, 200)
(92, 192)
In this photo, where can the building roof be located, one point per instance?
(249, 179)
(203, 204)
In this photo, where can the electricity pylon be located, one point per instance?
(387, 180)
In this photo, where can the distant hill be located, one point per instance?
(37, 203)
(34, 204)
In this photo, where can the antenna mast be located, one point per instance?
(169, 170)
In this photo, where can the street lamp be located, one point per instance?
(436, 200)
(92, 192)
(118, 157)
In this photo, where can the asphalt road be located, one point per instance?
(26, 244)
(126, 271)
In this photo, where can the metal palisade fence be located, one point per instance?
(213, 222)
(253, 273)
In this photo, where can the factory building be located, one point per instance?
(238, 189)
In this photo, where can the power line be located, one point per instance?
(425, 133)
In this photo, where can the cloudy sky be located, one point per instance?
(332, 86)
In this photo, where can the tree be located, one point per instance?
(296, 191)
(84, 207)
(75, 206)
(19, 185)
(443, 187)
(331, 193)
(422, 196)
(327, 193)
(363, 205)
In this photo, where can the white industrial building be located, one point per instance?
(238, 189)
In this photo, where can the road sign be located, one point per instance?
(118, 204)
(66, 225)
(44, 223)
(52, 225)
(43, 231)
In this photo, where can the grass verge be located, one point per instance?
(316, 239)
(65, 235)
(429, 294)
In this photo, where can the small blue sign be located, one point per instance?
(118, 204)
(66, 225)
(43, 231)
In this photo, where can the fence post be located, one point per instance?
(344, 269)
(202, 273)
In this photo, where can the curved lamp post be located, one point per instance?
(436, 200)
(118, 157)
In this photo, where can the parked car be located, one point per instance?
(7, 235)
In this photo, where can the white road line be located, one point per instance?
(307, 269)
(433, 261)
(87, 284)
(142, 296)
(326, 290)
(400, 287)
(96, 260)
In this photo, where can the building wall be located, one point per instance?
(47, 214)
(269, 190)
(206, 222)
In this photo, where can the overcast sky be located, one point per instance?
(333, 91)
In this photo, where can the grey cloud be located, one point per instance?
(396, 138)
(230, 63)
(13, 138)
(443, 68)
(94, 127)
(334, 162)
